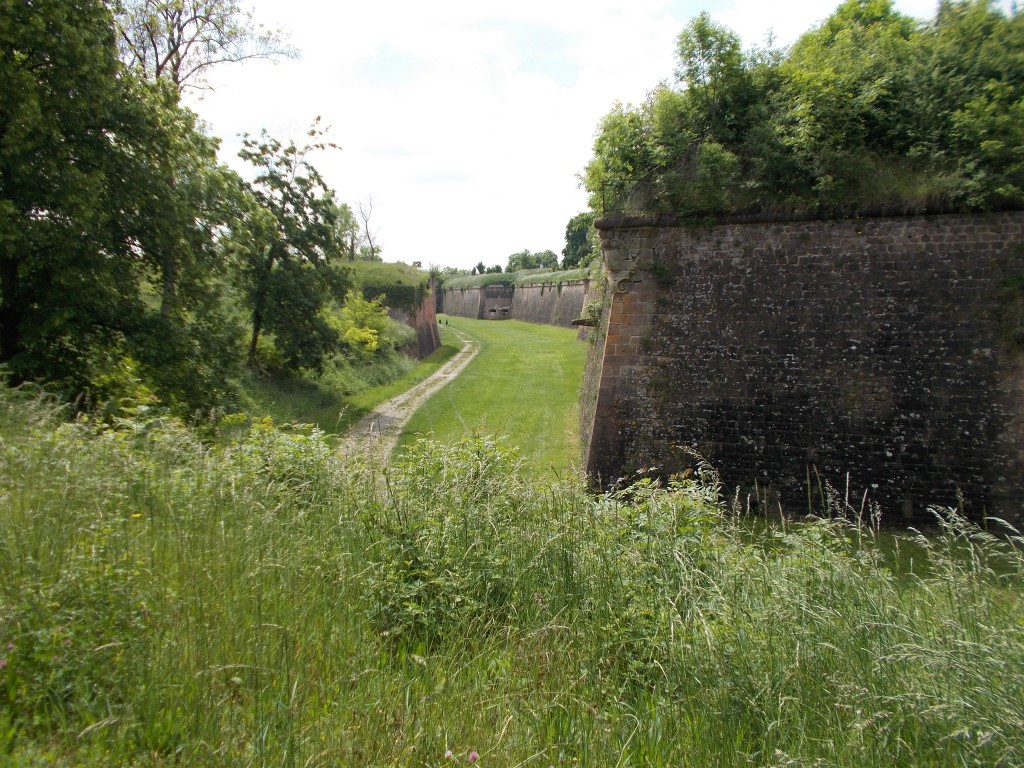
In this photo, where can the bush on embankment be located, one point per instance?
(167, 602)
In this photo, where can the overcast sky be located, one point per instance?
(468, 122)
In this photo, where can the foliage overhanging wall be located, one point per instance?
(883, 355)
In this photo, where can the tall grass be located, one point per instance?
(165, 602)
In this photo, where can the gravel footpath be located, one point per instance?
(374, 436)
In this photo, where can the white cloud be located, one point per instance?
(467, 123)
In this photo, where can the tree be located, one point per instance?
(176, 42)
(86, 216)
(347, 232)
(179, 40)
(285, 248)
(711, 66)
(66, 268)
(526, 260)
(870, 111)
(971, 88)
(621, 175)
(370, 251)
(187, 348)
(849, 100)
(578, 247)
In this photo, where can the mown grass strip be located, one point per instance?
(524, 385)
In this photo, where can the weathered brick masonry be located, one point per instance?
(879, 349)
(424, 321)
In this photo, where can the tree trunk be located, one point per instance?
(257, 326)
(259, 304)
(167, 294)
(10, 317)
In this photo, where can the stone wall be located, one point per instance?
(461, 302)
(496, 302)
(548, 303)
(884, 356)
(424, 321)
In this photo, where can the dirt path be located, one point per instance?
(374, 436)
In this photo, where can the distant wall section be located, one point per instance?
(547, 303)
(462, 302)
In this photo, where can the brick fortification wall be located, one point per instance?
(548, 303)
(886, 351)
(428, 338)
(495, 302)
(424, 321)
(461, 302)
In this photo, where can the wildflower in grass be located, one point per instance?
(448, 755)
(3, 663)
(473, 756)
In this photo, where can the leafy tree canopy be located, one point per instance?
(179, 40)
(88, 209)
(285, 249)
(870, 111)
(579, 247)
(526, 260)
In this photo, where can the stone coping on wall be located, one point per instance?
(635, 220)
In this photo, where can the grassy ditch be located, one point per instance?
(523, 385)
(164, 602)
(328, 402)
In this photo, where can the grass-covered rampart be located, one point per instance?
(402, 286)
(164, 602)
(522, 277)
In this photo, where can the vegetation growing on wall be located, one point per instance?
(871, 111)
(476, 281)
(399, 286)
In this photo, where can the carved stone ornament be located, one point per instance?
(627, 254)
